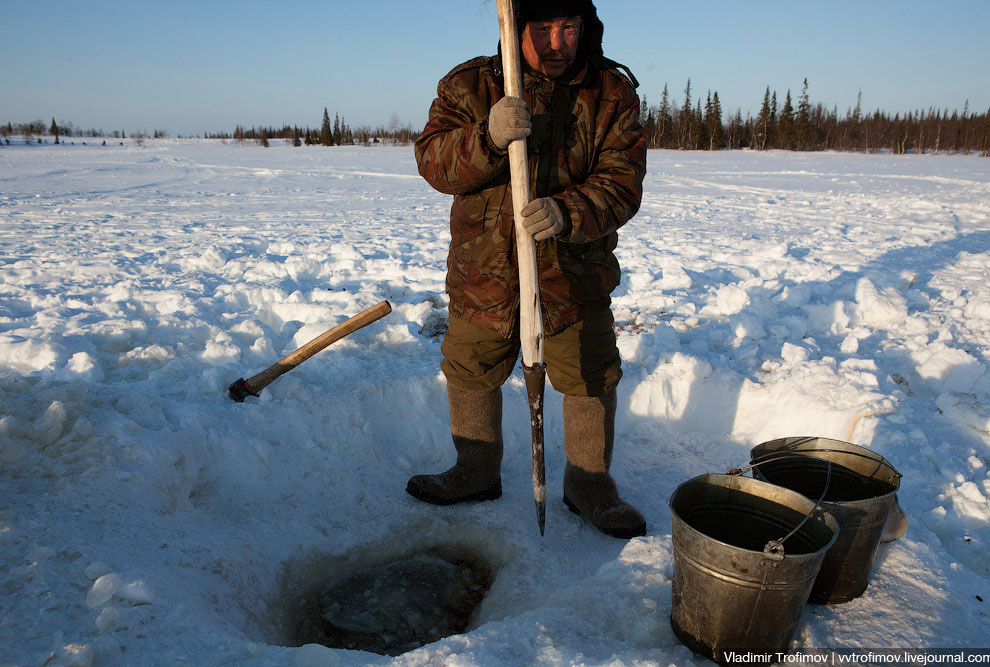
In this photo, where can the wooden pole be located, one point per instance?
(530, 316)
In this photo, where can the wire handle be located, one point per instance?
(774, 549)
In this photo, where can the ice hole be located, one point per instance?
(393, 607)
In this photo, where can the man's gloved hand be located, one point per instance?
(543, 219)
(508, 121)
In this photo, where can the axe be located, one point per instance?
(253, 386)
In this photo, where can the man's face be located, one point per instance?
(550, 47)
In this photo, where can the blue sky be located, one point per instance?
(188, 67)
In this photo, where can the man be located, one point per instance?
(587, 160)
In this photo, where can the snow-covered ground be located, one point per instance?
(764, 295)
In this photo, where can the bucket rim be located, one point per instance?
(830, 521)
(758, 453)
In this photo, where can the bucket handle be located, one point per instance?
(774, 549)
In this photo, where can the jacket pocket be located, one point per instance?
(592, 270)
(473, 214)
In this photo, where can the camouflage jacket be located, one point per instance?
(587, 151)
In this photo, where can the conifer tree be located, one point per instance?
(764, 123)
(699, 133)
(649, 121)
(326, 135)
(54, 129)
(665, 122)
(787, 124)
(802, 124)
(713, 124)
(684, 120)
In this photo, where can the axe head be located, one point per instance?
(241, 390)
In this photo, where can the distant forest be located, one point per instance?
(335, 133)
(339, 133)
(698, 124)
(688, 123)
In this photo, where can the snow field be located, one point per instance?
(146, 518)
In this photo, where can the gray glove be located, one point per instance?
(508, 121)
(542, 218)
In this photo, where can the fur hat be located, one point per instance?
(543, 10)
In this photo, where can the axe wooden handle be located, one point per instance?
(252, 386)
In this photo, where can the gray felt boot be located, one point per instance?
(476, 427)
(589, 433)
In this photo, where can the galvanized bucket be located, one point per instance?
(860, 494)
(736, 588)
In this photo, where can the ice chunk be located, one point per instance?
(136, 592)
(48, 428)
(793, 354)
(965, 409)
(978, 309)
(97, 569)
(970, 504)
(110, 586)
(108, 618)
(73, 655)
(80, 366)
(316, 655)
(676, 383)
(729, 300)
(217, 352)
(639, 279)
(151, 354)
(831, 317)
(747, 326)
(665, 339)
(948, 369)
(877, 308)
(103, 590)
(633, 348)
(673, 276)
(26, 356)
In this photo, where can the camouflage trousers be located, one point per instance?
(582, 359)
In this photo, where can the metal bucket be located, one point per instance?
(860, 495)
(731, 591)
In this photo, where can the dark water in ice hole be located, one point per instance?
(395, 607)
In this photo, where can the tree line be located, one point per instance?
(802, 126)
(338, 133)
(691, 124)
(39, 128)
